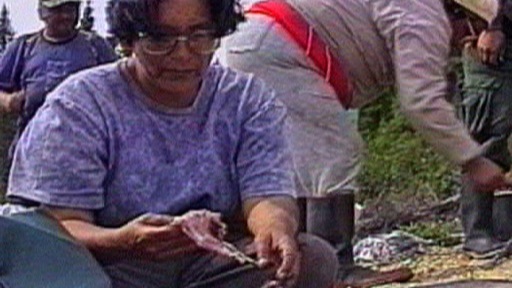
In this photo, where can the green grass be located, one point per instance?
(439, 232)
(398, 159)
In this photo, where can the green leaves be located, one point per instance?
(398, 160)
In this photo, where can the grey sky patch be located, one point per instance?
(24, 15)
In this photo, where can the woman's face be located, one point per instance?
(179, 69)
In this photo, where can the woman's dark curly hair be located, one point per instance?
(128, 18)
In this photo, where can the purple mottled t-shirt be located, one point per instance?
(99, 144)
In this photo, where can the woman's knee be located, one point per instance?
(319, 264)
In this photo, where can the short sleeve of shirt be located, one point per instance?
(61, 158)
(106, 53)
(264, 160)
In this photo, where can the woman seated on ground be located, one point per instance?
(117, 151)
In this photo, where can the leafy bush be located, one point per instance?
(399, 160)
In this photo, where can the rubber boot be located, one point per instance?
(332, 218)
(302, 205)
(477, 221)
(502, 217)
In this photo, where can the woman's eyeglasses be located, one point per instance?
(202, 42)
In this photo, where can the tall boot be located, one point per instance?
(477, 221)
(502, 204)
(302, 205)
(332, 219)
(502, 217)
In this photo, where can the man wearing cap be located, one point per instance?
(486, 110)
(319, 53)
(34, 64)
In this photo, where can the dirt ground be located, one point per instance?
(448, 265)
(442, 266)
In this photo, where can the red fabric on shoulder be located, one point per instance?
(314, 47)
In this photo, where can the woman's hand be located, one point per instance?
(274, 223)
(155, 237)
(281, 250)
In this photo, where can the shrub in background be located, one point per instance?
(398, 160)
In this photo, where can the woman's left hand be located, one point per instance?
(274, 224)
(280, 249)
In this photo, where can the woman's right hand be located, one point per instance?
(155, 237)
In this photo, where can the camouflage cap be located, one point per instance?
(55, 3)
(487, 9)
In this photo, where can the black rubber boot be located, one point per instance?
(302, 205)
(477, 222)
(332, 219)
(502, 217)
